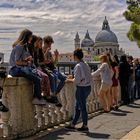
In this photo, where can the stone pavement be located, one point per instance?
(113, 126)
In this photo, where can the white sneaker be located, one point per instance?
(36, 101)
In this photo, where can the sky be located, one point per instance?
(62, 19)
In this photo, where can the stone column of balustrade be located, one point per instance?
(52, 114)
(58, 110)
(17, 96)
(70, 98)
(39, 115)
(96, 87)
(47, 117)
(5, 115)
(64, 104)
(90, 102)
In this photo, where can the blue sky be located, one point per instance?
(62, 19)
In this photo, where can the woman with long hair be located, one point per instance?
(38, 61)
(21, 60)
(41, 69)
(106, 82)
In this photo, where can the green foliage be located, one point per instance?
(133, 14)
(96, 58)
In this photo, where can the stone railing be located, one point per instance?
(25, 119)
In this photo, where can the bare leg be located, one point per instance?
(102, 99)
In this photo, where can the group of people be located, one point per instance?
(112, 72)
(31, 57)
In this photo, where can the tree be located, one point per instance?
(133, 14)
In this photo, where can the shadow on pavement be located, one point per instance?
(96, 135)
(134, 105)
(58, 135)
(118, 113)
(123, 111)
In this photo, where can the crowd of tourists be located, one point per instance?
(32, 58)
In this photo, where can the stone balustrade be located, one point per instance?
(25, 119)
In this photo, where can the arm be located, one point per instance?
(77, 75)
(99, 70)
(18, 56)
(46, 54)
(117, 72)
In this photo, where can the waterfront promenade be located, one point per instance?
(116, 125)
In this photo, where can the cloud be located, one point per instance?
(63, 18)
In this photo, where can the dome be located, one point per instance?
(87, 41)
(106, 36)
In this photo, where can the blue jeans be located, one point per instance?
(53, 81)
(131, 84)
(16, 72)
(81, 96)
(138, 88)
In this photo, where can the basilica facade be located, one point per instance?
(105, 41)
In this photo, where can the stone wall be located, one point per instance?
(25, 119)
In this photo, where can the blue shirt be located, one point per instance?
(19, 53)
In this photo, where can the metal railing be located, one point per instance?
(67, 67)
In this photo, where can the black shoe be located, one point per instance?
(50, 100)
(83, 129)
(58, 104)
(116, 108)
(3, 108)
(69, 127)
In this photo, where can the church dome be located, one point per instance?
(106, 36)
(87, 41)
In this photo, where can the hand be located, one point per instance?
(69, 80)
(46, 50)
(69, 77)
(56, 53)
(29, 62)
(29, 58)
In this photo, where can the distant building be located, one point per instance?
(105, 41)
(66, 57)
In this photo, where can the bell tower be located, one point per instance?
(77, 41)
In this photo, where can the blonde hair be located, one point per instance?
(105, 59)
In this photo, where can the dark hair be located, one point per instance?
(48, 39)
(34, 39)
(116, 58)
(123, 59)
(31, 46)
(130, 58)
(78, 53)
(23, 37)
